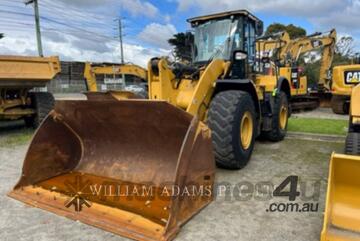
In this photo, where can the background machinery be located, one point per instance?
(168, 142)
(277, 52)
(122, 81)
(342, 212)
(344, 78)
(18, 77)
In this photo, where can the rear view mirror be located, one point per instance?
(259, 28)
(240, 56)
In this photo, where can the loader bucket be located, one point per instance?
(123, 166)
(112, 95)
(342, 212)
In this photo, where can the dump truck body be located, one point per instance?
(20, 72)
(18, 76)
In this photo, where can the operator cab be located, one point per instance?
(229, 36)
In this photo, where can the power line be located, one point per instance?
(74, 29)
(57, 22)
(17, 13)
(80, 12)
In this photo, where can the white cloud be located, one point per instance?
(323, 14)
(158, 34)
(79, 49)
(142, 8)
(134, 7)
(82, 31)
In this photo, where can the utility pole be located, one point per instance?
(121, 40)
(37, 23)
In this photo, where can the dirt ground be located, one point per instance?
(227, 218)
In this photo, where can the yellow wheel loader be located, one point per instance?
(115, 77)
(342, 212)
(163, 140)
(345, 77)
(18, 77)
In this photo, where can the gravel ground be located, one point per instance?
(322, 113)
(70, 96)
(224, 219)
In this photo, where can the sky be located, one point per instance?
(83, 30)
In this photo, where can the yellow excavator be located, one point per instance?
(342, 212)
(278, 51)
(19, 76)
(116, 78)
(199, 114)
(345, 77)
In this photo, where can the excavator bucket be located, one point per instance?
(136, 168)
(342, 213)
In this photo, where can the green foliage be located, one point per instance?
(294, 31)
(318, 126)
(341, 60)
(312, 72)
(1, 35)
(182, 43)
(18, 137)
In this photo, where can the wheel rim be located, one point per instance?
(246, 130)
(283, 117)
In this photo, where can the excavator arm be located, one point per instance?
(315, 42)
(287, 51)
(91, 71)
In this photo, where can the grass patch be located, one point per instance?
(18, 137)
(318, 126)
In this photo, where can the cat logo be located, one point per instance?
(352, 77)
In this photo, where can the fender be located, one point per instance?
(239, 84)
(283, 85)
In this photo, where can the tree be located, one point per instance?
(1, 35)
(345, 47)
(182, 43)
(294, 31)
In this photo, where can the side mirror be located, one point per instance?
(189, 39)
(259, 28)
(239, 55)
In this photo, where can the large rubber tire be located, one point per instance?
(278, 131)
(339, 105)
(43, 103)
(352, 144)
(226, 112)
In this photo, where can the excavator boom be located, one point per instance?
(287, 51)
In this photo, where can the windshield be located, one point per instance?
(214, 39)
